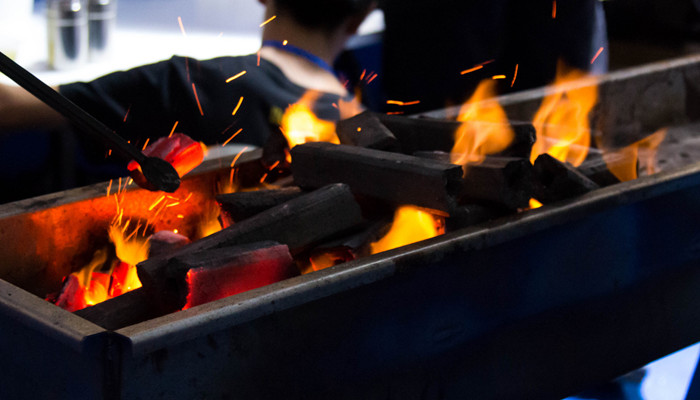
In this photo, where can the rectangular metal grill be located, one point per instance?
(540, 304)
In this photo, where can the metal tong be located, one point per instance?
(159, 174)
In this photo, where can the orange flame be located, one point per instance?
(95, 286)
(411, 225)
(535, 204)
(484, 129)
(300, 125)
(563, 129)
(328, 258)
(642, 152)
(209, 222)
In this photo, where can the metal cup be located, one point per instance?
(102, 15)
(67, 33)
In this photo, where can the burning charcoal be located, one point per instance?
(421, 134)
(427, 134)
(253, 168)
(298, 223)
(472, 214)
(70, 297)
(523, 140)
(397, 178)
(275, 151)
(557, 180)
(596, 169)
(435, 155)
(366, 130)
(165, 242)
(198, 277)
(325, 258)
(181, 151)
(347, 248)
(124, 310)
(499, 181)
(238, 206)
(216, 274)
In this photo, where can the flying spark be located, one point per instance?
(172, 131)
(182, 27)
(232, 136)
(238, 75)
(238, 156)
(466, 71)
(155, 203)
(127, 113)
(194, 89)
(403, 103)
(235, 110)
(268, 21)
(600, 50)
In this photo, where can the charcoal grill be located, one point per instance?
(539, 304)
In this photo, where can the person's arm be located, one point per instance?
(20, 110)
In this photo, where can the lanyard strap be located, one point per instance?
(299, 52)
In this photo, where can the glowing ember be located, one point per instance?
(102, 278)
(563, 129)
(300, 125)
(485, 128)
(325, 259)
(410, 225)
(179, 150)
(245, 271)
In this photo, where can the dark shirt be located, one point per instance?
(147, 101)
(428, 45)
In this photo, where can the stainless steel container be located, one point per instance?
(102, 15)
(67, 33)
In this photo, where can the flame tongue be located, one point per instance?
(623, 163)
(410, 225)
(89, 286)
(563, 129)
(300, 125)
(485, 128)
